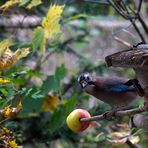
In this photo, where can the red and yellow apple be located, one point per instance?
(73, 120)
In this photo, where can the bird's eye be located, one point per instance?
(88, 78)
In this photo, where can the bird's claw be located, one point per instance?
(109, 115)
(143, 107)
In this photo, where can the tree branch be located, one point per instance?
(142, 23)
(117, 114)
(123, 42)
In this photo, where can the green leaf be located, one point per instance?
(23, 2)
(4, 103)
(14, 70)
(61, 72)
(30, 3)
(19, 81)
(6, 91)
(80, 45)
(59, 116)
(78, 16)
(32, 102)
(34, 73)
(10, 93)
(38, 40)
(34, 3)
(51, 83)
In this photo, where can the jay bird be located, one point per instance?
(116, 91)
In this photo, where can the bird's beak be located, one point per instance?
(84, 84)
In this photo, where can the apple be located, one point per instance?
(73, 120)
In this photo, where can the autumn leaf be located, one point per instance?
(4, 81)
(11, 112)
(51, 23)
(34, 3)
(4, 45)
(10, 3)
(8, 58)
(12, 143)
(50, 103)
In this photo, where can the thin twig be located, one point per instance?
(121, 12)
(138, 30)
(117, 114)
(142, 23)
(139, 6)
(123, 42)
(112, 4)
(129, 18)
(46, 57)
(138, 16)
(98, 2)
(1, 122)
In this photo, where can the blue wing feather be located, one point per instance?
(119, 88)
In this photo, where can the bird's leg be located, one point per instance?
(138, 87)
(109, 115)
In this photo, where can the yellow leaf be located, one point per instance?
(8, 58)
(8, 112)
(3, 81)
(12, 143)
(20, 53)
(51, 22)
(19, 106)
(10, 3)
(4, 45)
(5, 132)
(50, 103)
(11, 112)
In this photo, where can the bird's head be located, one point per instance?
(85, 79)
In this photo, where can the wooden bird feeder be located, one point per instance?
(136, 58)
(132, 58)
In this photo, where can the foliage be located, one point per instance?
(38, 87)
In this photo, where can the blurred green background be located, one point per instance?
(88, 31)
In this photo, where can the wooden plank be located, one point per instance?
(132, 58)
